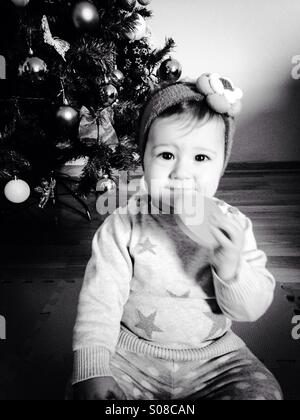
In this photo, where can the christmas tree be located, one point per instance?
(77, 75)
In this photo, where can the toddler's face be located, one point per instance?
(180, 156)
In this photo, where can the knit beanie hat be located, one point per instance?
(220, 94)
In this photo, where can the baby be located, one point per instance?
(156, 308)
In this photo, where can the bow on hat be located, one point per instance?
(97, 127)
(221, 94)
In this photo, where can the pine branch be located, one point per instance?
(12, 163)
(95, 168)
(92, 55)
(126, 115)
(144, 12)
(158, 55)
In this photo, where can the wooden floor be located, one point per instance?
(272, 201)
(42, 266)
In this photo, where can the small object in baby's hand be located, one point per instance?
(194, 218)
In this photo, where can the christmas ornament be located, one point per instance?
(97, 128)
(117, 77)
(67, 117)
(17, 191)
(109, 95)
(74, 168)
(127, 5)
(47, 190)
(140, 30)
(85, 16)
(136, 50)
(64, 145)
(62, 47)
(144, 2)
(170, 70)
(106, 185)
(34, 69)
(136, 157)
(20, 3)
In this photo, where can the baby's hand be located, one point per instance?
(230, 235)
(99, 389)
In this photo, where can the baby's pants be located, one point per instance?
(235, 376)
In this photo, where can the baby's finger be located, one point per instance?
(232, 228)
(221, 237)
(236, 221)
(238, 230)
(227, 220)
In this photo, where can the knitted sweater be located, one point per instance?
(150, 288)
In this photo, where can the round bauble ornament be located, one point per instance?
(170, 70)
(144, 2)
(17, 191)
(85, 16)
(20, 3)
(106, 185)
(67, 117)
(117, 77)
(34, 69)
(109, 95)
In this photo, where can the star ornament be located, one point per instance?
(147, 246)
(147, 324)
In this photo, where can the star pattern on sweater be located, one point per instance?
(219, 324)
(184, 296)
(146, 246)
(147, 323)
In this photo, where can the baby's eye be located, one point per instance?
(201, 158)
(166, 156)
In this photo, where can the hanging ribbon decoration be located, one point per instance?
(61, 46)
(97, 128)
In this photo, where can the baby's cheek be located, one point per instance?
(158, 174)
(209, 184)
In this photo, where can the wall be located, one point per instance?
(252, 42)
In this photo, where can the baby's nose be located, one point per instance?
(181, 172)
